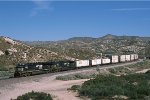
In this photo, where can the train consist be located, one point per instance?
(29, 69)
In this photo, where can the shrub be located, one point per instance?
(2, 68)
(35, 96)
(148, 72)
(133, 86)
(75, 87)
(112, 70)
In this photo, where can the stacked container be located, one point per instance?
(135, 56)
(96, 62)
(105, 61)
(113, 58)
(122, 58)
(132, 57)
(127, 57)
(82, 63)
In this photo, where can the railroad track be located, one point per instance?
(11, 81)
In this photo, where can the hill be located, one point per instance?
(88, 47)
(13, 52)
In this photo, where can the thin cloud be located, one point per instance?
(41, 6)
(130, 9)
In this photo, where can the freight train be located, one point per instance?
(28, 69)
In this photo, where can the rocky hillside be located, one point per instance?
(13, 52)
(87, 47)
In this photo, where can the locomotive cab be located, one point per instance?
(19, 69)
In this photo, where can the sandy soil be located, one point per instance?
(57, 88)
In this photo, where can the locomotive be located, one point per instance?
(28, 69)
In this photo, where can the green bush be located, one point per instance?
(112, 70)
(141, 65)
(35, 96)
(134, 86)
(2, 68)
(129, 69)
(75, 87)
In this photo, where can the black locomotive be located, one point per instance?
(29, 69)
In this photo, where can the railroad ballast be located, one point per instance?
(28, 69)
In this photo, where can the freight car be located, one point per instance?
(113, 58)
(96, 62)
(105, 61)
(28, 69)
(122, 58)
(132, 57)
(128, 58)
(82, 63)
(136, 57)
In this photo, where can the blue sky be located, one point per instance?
(59, 20)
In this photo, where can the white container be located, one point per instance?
(96, 62)
(82, 63)
(132, 57)
(105, 61)
(135, 56)
(127, 57)
(115, 59)
(122, 58)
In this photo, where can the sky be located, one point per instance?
(60, 20)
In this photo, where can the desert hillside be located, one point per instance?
(88, 47)
(13, 52)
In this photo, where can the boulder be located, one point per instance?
(12, 50)
(10, 41)
(1, 53)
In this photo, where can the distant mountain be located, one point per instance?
(86, 39)
(109, 36)
(88, 47)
